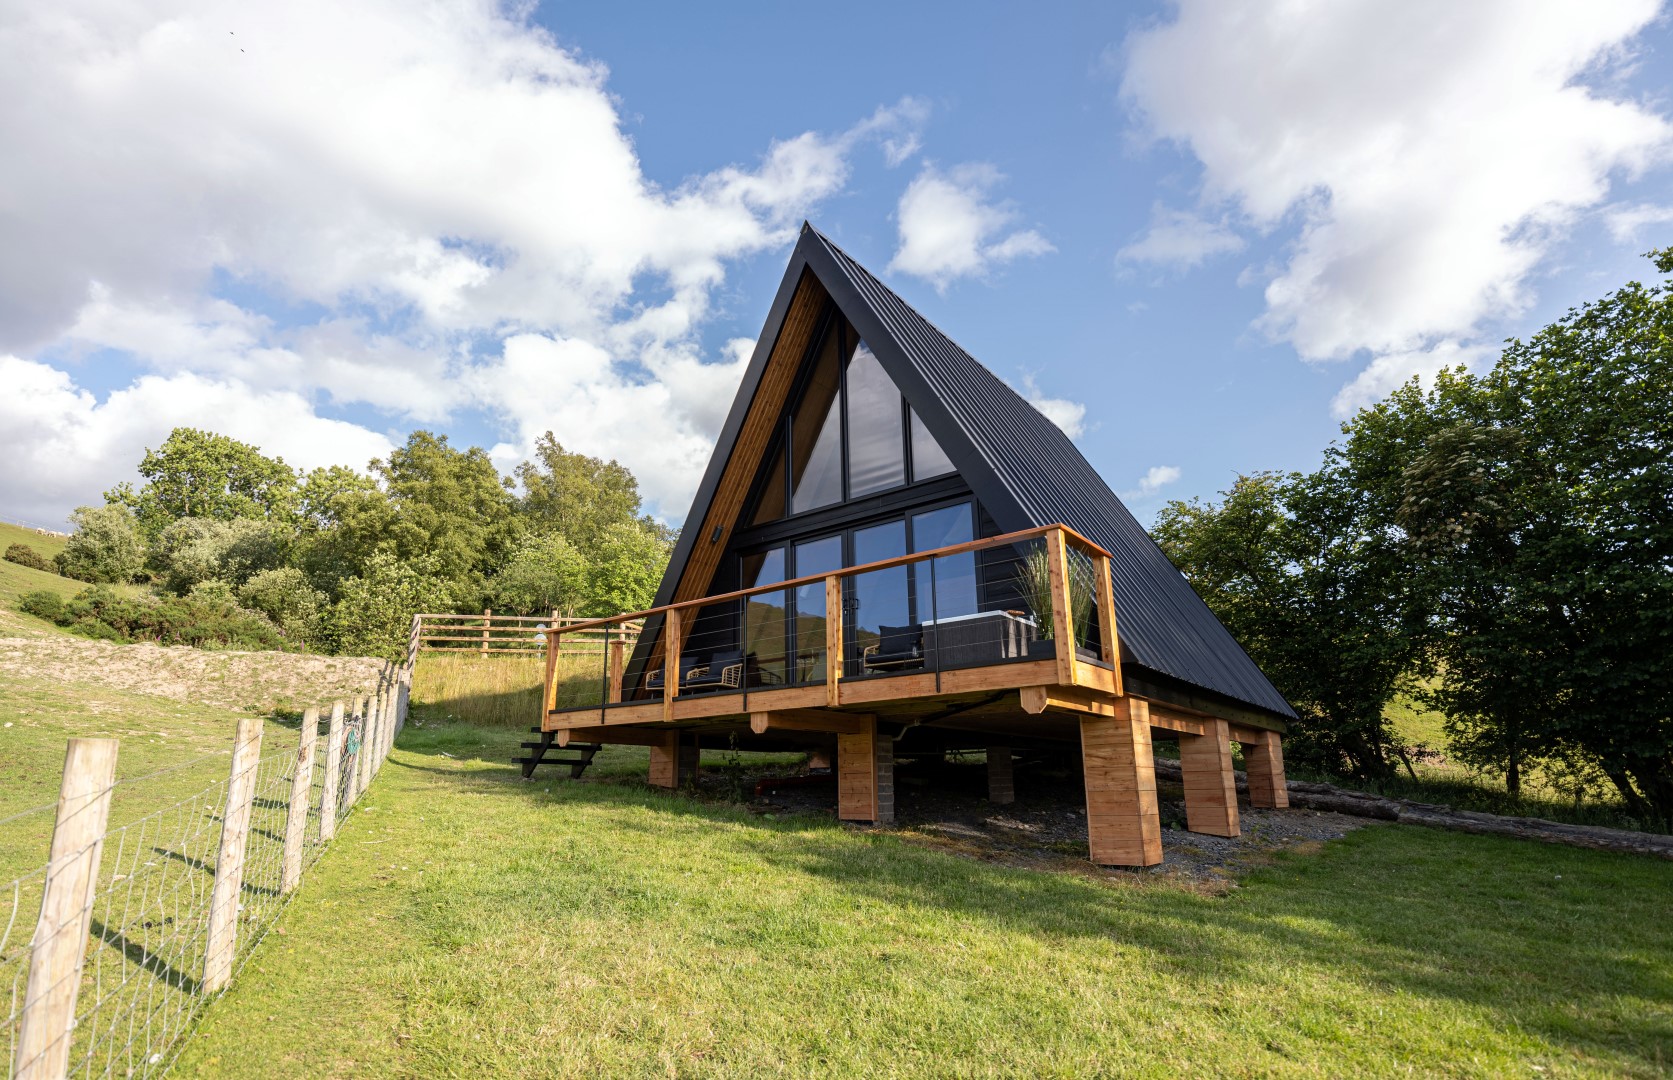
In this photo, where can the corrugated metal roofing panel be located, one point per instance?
(1165, 625)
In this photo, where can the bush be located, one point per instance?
(202, 621)
(286, 598)
(106, 546)
(24, 555)
(194, 550)
(374, 615)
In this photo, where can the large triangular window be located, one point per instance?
(850, 435)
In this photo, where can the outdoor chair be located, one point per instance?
(721, 671)
(897, 647)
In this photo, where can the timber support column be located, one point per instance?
(1210, 785)
(673, 761)
(866, 775)
(1001, 789)
(1264, 761)
(1123, 823)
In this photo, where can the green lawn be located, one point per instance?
(470, 924)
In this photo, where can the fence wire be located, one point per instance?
(147, 913)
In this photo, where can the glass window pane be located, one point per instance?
(764, 621)
(771, 506)
(814, 557)
(928, 459)
(954, 576)
(884, 637)
(876, 451)
(816, 434)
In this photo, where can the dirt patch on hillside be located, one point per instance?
(254, 681)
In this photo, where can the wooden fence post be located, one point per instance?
(59, 947)
(229, 864)
(487, 614)
(296, 815)
(333, 767)
(374, 733)
(363, 757)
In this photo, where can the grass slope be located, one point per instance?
(471, 924)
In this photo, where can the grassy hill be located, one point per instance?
(473, 924)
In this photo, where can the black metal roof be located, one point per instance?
(1022, 467)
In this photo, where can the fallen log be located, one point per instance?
(1328, 797)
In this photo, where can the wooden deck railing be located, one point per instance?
(1059, 539)
(488, 633)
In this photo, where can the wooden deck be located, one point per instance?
(1073, 701)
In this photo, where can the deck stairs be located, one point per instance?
(546, 751)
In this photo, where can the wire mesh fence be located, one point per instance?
(112, 948)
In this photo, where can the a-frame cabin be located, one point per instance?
(893, 554)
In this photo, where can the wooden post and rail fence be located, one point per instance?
(270, 817)
(488, 634)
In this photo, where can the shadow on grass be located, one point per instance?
(1569, 945)
(143, 958)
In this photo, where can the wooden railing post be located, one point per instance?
(672, 643)
(833, 641)
(222, 946)
(59, 947)
(333, 766)
(1062, 619)
(487, 614)
(296, 815)
(1109, 643)
(618, 659)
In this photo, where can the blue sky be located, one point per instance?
(1198, 236)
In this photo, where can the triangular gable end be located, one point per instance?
(1022, 469)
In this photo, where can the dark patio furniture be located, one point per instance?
(721, 671)
(897, 647)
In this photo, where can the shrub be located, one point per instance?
(24, 555)
(286, 598)
(203, 621)
(374, 615)
(106, 546)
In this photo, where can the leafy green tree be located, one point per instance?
(576, 496)
(105, 547)
(344, 517)
(1320, 603)
(374, 614)
(545, 574)
(1545, 525)
(202, 474)
(194, 550)
(451, 506)
(625, 568)
(288, 600)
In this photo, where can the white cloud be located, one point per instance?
(59, 441)
(1180, 240)
(949, 227)
(1387, 371)
(1429, 152)
(1628, 223)
(1066, 414)
(406, 187)
(1154, 480)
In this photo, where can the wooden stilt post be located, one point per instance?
(296, 815)
(59, 947)
(329, 794)
(665, 761)
(1123, 822)
(1263, 760)
(866, 775)
(1210, 785)
(222, 946)
(1000, 786)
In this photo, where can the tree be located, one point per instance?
(449, 505)
(286, 598)
(374, 615)
(195, 550)
(1319, 602)
(202, 474)
(105, 547)
(344, 517)
(576, 496)
(1545, 521)
(625, 569)
(545, 574)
